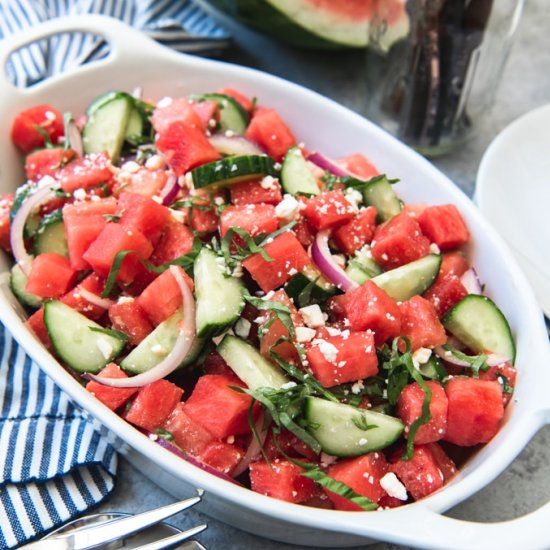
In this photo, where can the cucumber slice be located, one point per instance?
(232, 170)
(296, 177)
(410, 279)
(50, 235)
(233, 117)
(247, 363)
(219, 297)
(339, 428)
(135, 126)
(362, 267)
(309, 287)
(105, 129)
(381, 195)
(18, 281)
(157, 345)
(102, 99)
(479, 324)
(83, 349)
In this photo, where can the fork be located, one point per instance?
(117, 529)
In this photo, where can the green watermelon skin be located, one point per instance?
(259, 15)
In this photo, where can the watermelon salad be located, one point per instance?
(272, 315)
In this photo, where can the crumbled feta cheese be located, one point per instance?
(313, 316)
(268, 182)
(333, 331)
(154, 162)
(434, 249)
(242, 327)
(363, 441)
(164, 102)
(79, 194)
(339, 259)
(329, 351)
(125, 299)
(354, 197)
(288, 208)
(218, 339)
(357, 387)
(157, 349)
(178, 215)
(288, 385)
(218, 201)
(421, 356)
(104, 347)
(391, 484)
(304, 334)
(130, 166)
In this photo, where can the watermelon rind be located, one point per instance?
(296, 23)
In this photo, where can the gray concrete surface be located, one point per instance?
(525, 485)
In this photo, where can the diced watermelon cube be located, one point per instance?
(191, 436)
(420, 323)
(287, 256)
(222, 456)
(289, 444)
(203, 220)
(177, 109)
(255, 219)
(277, 330)
(176, 240)
(282, 480)
(76, 300)
(444, 226)
(115, 238)
(185, 147)
(362, 474)
(6, 202)
(153, 404)
(142, 213)
(128, 317)
(222, 410)
(398, 242)
(162, 297)
(505, 375)
(207, 111)
(387, 502)
(24, 133)
(112, 397)
(339, 359)
(352, 236)
(270, 132)
(370, 307)
(85, 172)
(445, 464)
(45, 162)
(328, 209)
(453, 262)
(141, 182)
(51, 275)
(253, 192)
(446, 291)
(475, 410)
(359, 165)
(83, 222)
(304, 233)
(421, 474)
(36, 324)
(214, 363)
(409, 408)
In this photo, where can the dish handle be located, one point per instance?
(420, 526)
(123, 40)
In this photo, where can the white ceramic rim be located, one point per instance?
(419, 524)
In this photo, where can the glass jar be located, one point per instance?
(431, 87)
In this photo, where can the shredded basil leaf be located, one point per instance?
(279, 310)
(165, 434)
(110, 332)
(476, 362)
(47, 139)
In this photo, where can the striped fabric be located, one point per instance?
(178, 24)
(54, 465)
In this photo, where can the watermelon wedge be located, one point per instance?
(327, 24)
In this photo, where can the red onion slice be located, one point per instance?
(45, 190)
(170, 190)
(492, 359)
(181, 348)
(327, 164)
(104, 303)
(254, 448)
(137, 92)
(74, 137)
(320, 252)
(234, 145)
(471, 281)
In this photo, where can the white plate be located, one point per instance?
(513, 192)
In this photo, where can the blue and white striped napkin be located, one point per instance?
(54, 465)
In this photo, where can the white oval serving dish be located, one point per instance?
(324, 125)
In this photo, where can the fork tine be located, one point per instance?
(167, 542)
(121, 528)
